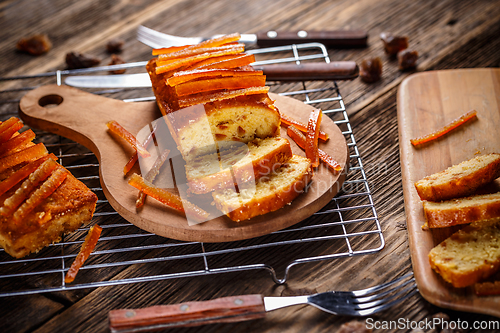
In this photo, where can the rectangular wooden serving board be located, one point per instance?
(427, 101)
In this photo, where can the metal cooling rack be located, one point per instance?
(347, 226)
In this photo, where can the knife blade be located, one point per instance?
(333, 38)
(337, 70)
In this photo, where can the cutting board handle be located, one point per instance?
(81, 116)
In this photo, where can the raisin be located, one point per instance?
(77, 60)
(407, 59)
(116, 60)
(36, 45)
(371, 70)
(393, 44)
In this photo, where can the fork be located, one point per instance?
(358, 303)
(335, 70)
(339, 38)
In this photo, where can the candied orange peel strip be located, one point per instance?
(22, 173)
(214, 42)
(8, 123)
(177, 63)
(287, 121)
(135, 156)
(27, 154)
(227, 62)
(299, 138)
(445, 129)
(170, 49)
(189, 52)
(16, 142)
(312, 136)
(127, 136)
(7, 133)
(39, 195)
(217, 41)
(218, 96)
(237, 82)
(87, 248)
(151, 175)
(185, 76)
(22, 193)
(171, 200)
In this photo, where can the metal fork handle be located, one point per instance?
(220, 310)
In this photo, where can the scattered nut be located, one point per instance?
(407, 59)
(114, 46)
(371, 70)
(393, 44)
(116, 60)
(77, 60)
(36, 44)
(439, 318)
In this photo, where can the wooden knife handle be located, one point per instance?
(220, 310)
(337, 70)
(339, 38)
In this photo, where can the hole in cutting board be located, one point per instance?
(50, 101)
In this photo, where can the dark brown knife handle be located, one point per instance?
(220, 310)
(336, 70)
(339, 38)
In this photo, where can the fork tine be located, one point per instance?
(158, 39)
(383, 294)
(367, 291)
(346, 307)
(367, 312)
(370, 304)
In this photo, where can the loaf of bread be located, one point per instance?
(40, 200)
(196, 129)
(473, 209)
(469, 255)
(460, 180)
(236, 165)
(268, 194)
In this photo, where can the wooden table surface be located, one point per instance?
(447, 34)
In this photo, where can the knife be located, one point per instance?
(335, 38)
(337, 70)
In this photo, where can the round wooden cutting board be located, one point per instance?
(82, 117)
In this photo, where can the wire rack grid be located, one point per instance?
(347, 226)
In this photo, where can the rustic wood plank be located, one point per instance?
(25, 313)
(447, 34)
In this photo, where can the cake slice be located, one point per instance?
(460, 180)
(236, 165)
(269, 193)
(468, 256)
(473, 209)
(40, 200)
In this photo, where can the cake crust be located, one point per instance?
(271, 192)
(473, 209)
(460, 180)
(468, 256)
